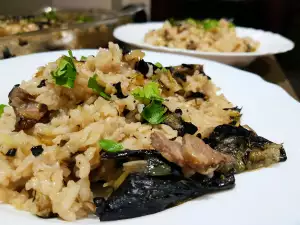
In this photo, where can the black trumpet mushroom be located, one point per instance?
(175, 121)
(143, 193)
(249, 150)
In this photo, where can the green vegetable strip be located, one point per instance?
(110, 145)
(92, 83)
(2, 106)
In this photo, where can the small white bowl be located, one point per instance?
(270, 43)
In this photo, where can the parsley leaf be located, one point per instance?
(154, 113)
(83, 58)
(84, 19)
(2, 106)
(210, 24)
(92, 83)
(110, 145)
(50, 15)
(191, 21)
(148, 93)
(65, 73)
(159, 66)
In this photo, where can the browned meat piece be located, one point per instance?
(192, 155)
(171, 150)
(201, 157)
(28, 111)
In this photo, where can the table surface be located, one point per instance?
(269, 69)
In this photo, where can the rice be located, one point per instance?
(58, 181)
(207, 36)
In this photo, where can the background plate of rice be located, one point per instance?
(270, 43)
(270, 195)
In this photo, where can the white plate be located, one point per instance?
(270, 43)
(268, 196)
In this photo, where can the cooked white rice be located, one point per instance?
(192, 35)
(58, 181)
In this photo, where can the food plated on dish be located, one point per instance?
(119, 137)
(201, 35)
(211, 39)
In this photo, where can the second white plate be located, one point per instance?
(270, 43)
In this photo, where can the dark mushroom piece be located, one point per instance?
(175, 121)
(195, 95)
(119, 93)
(11, 152)
(28, 111)
(37, 150)
(141, 194)
(42, 84)
(154, 188)
(181, 72)
(7, 54)
(249, 150)
(145, 67)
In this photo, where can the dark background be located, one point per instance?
(280, 16)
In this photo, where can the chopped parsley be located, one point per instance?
(84, 19)
(65, 73)
(159, 66)
(83, 58)
(231, 25)
(50, 15)
(110, 145)
(191, 21)
(148, 93)
(172, 21)
(92, 83)
(2, 106)
(154, 113)
(209, 24)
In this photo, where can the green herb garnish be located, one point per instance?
(159, 66)
(2, 106)
(210, 24)
(84, 19)
(92, 83)
(154, 113)
(51, 15)
(65, 73)
(191, 21)
(148, 93)
(83, 58)
(110, 145)
(174, 22)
